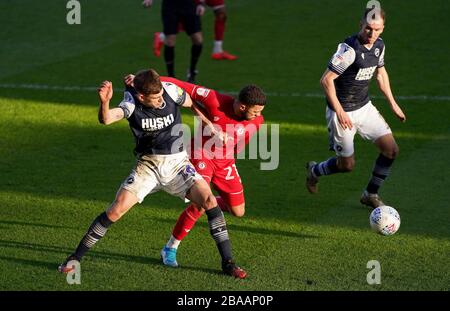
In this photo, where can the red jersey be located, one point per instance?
(218, 108)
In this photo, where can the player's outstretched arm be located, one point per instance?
(327, 82)
(105, 115)
(198, 111)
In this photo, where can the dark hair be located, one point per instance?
(373, 16)
(147, 82)
(252, 95)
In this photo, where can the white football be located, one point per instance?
(385, 220)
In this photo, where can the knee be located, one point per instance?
(117, 209)
(238, 210)
(392, 153)
(209, 202)
(115, 212)
(347, 165)
(170, 41)
(197, 39)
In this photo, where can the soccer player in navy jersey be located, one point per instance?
(220, 18)
(187, 13)
(350, 110)
(152, 109)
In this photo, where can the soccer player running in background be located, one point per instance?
(350, 111)
(152, 109)
(220, 18)
(237, 120)
(186, 13)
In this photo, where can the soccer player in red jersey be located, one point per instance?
(234, 121)
(220, 19)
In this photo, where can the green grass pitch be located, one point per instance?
(59, 168)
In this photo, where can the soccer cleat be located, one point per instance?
(371, 199)
(191, 76)
(223, 56)
(64, 268)
(169, 256)
(231, 269)
(311, 179)
(157, 44)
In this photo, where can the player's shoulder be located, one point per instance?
(201, 91)
(174, 91)
(379, 43)
(171, 88)
(352, 42)
(128, 102)
(345, 53)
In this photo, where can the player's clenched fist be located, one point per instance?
(105, 91)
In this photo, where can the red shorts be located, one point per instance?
(215, 4)
(224, 176)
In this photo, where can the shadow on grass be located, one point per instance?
(65, 251)
(89, 162)
(233, 227)
(32, 224)
(29, 262)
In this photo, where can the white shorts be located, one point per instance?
(172, 173)
(367, 122)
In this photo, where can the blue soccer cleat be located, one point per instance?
(169, 256)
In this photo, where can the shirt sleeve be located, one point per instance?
(381, 59)
(127, 104)
(175, 92)
(205, 97)
(342, 59)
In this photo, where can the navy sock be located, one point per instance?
(380, 173)
(95, 232)
(327, 167)
(169, 58)
(196, 50)
(219, 232)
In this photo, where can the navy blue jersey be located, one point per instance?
(156, 130)
(355, 64)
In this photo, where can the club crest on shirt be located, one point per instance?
(201, 91)
(377, 52)
(240, 130)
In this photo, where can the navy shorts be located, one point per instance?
(180, 12)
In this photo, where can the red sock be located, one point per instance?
(223, 206)
(219, 29)
(186, 222)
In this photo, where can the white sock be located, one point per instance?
(173, 243)
(217, 47)
(162, 37)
